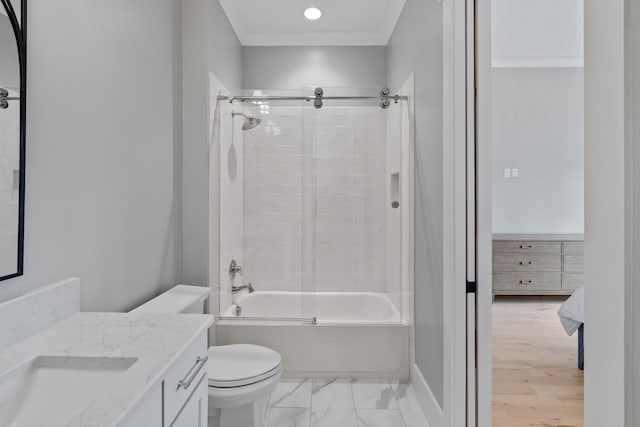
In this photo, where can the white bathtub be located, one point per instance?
(323, 334)
(325, 307)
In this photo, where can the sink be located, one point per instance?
(55, 387)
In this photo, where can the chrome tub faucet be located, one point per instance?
(236, 289)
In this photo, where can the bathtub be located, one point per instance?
(322, 334)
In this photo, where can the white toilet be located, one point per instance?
(241, 377)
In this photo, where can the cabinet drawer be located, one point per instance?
(194, 412)
(574, 263)
(573, 247)
(186, 368)
(526, 262)
(523, 282)
(572, 281)
(531, 246)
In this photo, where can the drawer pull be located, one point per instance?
(526, 262)
(527, 282)
(193, 373)
(526, 246)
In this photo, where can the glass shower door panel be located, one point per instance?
(269, 133)
(346, 209)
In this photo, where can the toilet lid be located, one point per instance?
(241, 364)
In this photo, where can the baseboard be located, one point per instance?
(426, 399)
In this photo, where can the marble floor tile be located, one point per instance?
(374, 394)
(292, 393)
(409, 406)
(332, 404)
(288, 417)
(379, 418)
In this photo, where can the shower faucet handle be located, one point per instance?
(234, 268)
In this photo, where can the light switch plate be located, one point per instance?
(507, 173)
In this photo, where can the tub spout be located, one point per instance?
(236, 289)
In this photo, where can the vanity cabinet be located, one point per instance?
(180, 398)
(537, 265)
(194, 411)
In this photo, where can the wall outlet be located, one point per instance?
(514, 173)
(507, 173)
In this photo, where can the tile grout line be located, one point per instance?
(404, 421)
(353, 396)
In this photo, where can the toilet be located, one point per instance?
(241, 376)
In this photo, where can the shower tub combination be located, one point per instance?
(310, 207)
(351, 334)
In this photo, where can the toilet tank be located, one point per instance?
(180, 299)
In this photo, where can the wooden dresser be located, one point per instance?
(537, 264)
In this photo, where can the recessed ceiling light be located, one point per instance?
(312, 13)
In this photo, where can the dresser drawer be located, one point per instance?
(574, 263)
(526, 262)
(573, 247)
(183, 376)
(520, 246)
(523, 282)
(572, 281)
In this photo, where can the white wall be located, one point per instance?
(103, 137)
(537, 127)
(230, 181)
(604, 213)
(417, 45)
(543, 33)
(293, 67)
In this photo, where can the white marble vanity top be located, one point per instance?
(154, 339)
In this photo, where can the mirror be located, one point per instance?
(12, 136)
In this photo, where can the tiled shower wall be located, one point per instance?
(315, 200)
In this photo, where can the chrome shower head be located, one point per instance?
(250, 122)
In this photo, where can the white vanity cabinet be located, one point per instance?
(194, 411)
(180, 398)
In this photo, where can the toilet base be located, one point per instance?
(252, 415)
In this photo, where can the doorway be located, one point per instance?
(530, 192)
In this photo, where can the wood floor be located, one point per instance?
(536, 381)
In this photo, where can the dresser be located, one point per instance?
(537, 264)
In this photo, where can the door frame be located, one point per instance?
(455, 108)
(484, 298)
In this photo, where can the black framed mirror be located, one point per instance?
(13, 90)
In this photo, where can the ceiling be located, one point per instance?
(343, 22)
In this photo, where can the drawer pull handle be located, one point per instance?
(527, 282)
(526, 246)
(526, 262)
(193, 373)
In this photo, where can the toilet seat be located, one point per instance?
(240, 365)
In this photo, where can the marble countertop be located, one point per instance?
(155, 340)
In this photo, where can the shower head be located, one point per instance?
(250, 122)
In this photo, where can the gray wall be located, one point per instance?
(102, 177)
(605, 232)
(538, 127)
(209, 46)
(416, 45)
(292, 67)
(632, 221)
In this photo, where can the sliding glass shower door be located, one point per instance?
(309, 204)
(261, 192)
